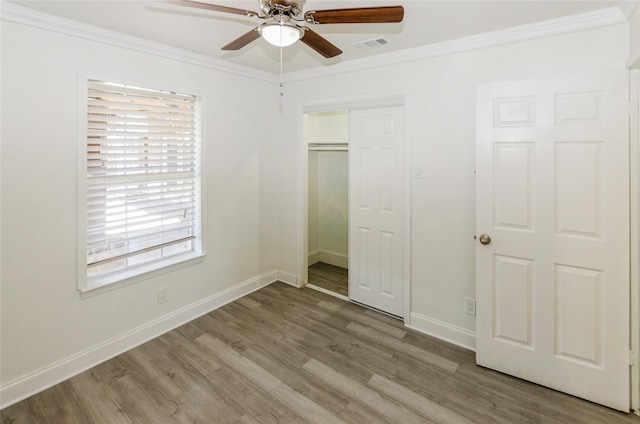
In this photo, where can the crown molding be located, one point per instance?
(11, 12)
(584, 21)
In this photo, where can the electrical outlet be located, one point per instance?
(163, 295)
(469, 306)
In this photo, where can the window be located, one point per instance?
(142, 205)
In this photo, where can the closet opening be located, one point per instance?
(326, 135)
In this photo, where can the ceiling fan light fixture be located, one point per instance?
(280, 34)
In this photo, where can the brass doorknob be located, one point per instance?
(485, 239)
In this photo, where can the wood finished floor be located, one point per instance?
(286, 355)
(330, 277)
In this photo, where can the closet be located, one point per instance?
(327, 136)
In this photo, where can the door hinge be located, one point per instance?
(632, 358)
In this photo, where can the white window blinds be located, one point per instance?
(142, 192)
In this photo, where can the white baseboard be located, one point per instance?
(67, 368)
(335, 259)
(314, 257)
(287, 278)
(441, 330)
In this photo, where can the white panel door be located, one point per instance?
(552, 286)
(376, 207)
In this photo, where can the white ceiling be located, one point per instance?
(426, 22)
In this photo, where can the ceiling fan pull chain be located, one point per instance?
(281, 92)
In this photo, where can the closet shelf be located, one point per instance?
(329, 146)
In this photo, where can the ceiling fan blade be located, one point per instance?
(217, 8)
(358, 15)
(319, 44)
(243, 40)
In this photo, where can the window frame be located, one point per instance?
(89, 286)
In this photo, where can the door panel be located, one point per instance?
(552, 191)
(512, 288)
(513, 170)
(579, 294)
(376, 209)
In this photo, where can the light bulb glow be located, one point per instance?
(280, 34)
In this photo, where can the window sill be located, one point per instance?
(106, 283)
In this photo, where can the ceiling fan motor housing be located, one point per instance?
(283, 7)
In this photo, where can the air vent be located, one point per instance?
(374, 42)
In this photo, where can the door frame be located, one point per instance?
(302, 224)
(634, 203)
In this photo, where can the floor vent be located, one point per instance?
(374, 42)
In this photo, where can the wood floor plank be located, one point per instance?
(247, 419)
(488, 409)
(290, 356)
(356, 413)
(305, 407)
(419, 376)
(329, 272)
(400, 346)
(267, 331)
(336, 339)
(136, 404)
(95, 402)
(199, 400)
(439, 347)
(314, 389)
(329, 342)
(391, 320)
(432, 410)
(190, 330)
(509, 401)
(20, 413)
(565, 407)
(158, 385)
(362, 394)
(493, 402)
(191, 353)
(109, 370)
(247, 302)
(340, 287)
(234, 360)
(257, 404)
(363, 319)
(287, 338)
(155, 348)
(58, 404)
(212, 324)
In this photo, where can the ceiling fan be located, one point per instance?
(282, 17)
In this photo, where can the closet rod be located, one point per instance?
(329, 149)
(338, 147)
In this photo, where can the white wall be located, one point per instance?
(327, 127)
(313, 246)
(329, 207)
(45, 323)
(634, 37)
(328, 199)
(440, 130)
